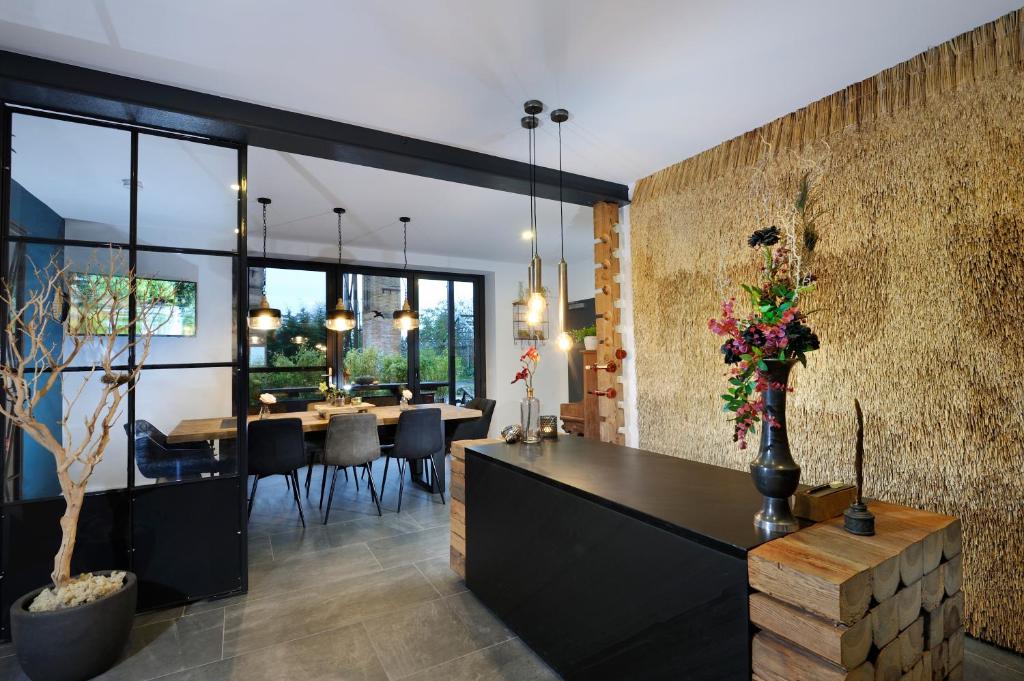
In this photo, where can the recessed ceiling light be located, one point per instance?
(526, 235)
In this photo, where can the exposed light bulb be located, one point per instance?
(235, 187)
(564, 342)
(526, 235)
(536, 303)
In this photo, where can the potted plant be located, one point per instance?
(586, 335)
(761, 348)
(76, 627)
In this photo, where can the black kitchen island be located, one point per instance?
(612, 562)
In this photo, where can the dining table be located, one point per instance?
(224, 428)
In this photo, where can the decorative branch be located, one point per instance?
(92, 312)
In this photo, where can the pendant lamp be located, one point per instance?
(536, 304)
(341, 318)
(407, 318)
(564, 340)
(264, 317)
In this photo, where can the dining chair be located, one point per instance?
(474, 429)
(419, 436)
(352, 440)
(276, 447)
(157, 459)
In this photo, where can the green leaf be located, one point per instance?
(762, 366)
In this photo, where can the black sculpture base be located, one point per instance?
(859, 520)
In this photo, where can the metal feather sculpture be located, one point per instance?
(858, 519)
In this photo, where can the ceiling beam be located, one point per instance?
(35, 82)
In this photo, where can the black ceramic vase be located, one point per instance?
(776, 475)
(77, 643)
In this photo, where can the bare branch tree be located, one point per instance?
(67, 319)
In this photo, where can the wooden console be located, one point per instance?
(832, 605)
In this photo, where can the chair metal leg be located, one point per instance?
(252, 496)
(373, 488)
(384, 481)
(330, 499)
(309, 475)
(288, 481)
(355, 476)
(434, 483)
(346, 474)
(323, 485)
(295, 492)
(401, 483)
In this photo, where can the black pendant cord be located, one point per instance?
(339, 239)
(561, 207)
(405, 245)
(263, 288)
(533, 191)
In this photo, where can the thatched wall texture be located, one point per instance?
(920, 306)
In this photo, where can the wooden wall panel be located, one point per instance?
(919, 308)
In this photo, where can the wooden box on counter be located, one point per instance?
(832, 605)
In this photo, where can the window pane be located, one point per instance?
(164, 399)
(188, 194)
(195, 318)
(465, 342)
(69, 180)
(301, 341)
(433, 339)
(375, 353)
(293, 389)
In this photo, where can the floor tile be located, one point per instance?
(159, 616)
(978, 668)
(310, 539)
(416, 638)
(432, 515)
(259, 549)
(439, 573)
(310, 569)
(10, 670)
(999, 656)
(507, 661)
(166, 647)
(477, 618)
(257, 624)
(369, 529)
(342, 654)
(411, 547)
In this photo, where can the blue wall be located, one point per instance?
(31, 216)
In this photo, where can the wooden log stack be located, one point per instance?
(457, 498)
(830, 605)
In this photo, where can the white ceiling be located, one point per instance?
(648, 83)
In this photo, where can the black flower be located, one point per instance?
(801, 338)
(769, 236)
(753, 336)
(731, 356)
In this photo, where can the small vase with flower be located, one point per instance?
(529, 408)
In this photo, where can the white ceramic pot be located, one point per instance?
(590, 342)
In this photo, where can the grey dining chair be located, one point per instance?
(419, 437)
(351, 440)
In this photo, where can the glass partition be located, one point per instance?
(375, 355)
(464, 322)
(434, 340)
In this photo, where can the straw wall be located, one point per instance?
(920, 305)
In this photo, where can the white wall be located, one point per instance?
(551, 385)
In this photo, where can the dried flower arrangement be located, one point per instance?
(775, 328)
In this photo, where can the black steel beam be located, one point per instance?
(31, 81)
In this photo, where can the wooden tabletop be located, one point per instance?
(223, 427)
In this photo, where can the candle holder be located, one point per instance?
(549, 427)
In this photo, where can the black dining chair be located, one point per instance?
(352, 440)
(419, 437)
(277, 447)
(164, 462)
(474, 429)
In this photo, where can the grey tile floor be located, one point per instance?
(363, 598)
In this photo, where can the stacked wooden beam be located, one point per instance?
(457, 498)
(832, 605)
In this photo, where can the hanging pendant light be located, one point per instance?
(341, 318)
(407, 318)
(564, 340)
(264, 317)
(536, 303)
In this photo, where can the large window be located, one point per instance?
(376, 360)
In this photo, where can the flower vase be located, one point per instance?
(529, 411)
(776, 475)
(264, 410)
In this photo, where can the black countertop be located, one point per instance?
(709, 504)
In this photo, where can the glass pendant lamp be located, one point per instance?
(341, 318)
(536, 303)
(264, 317)
(407, 318)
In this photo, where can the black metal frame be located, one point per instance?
(52, 85)
(238, 362)
(334, 273)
